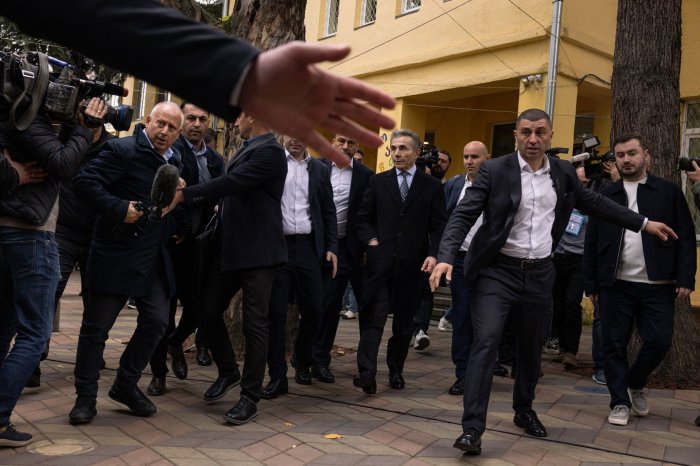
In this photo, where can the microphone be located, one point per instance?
(113, 89)
(165, 186)
(580, 157)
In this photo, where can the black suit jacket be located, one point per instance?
(251, 217)
(659, 200)
(144, 29)
(497, 192)
(407, 232)
(361, 175)
(323, 219)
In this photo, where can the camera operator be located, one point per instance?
(133, 264)
(29, 264)
(441, 165)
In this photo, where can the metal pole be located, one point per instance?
(553, 59)
(224, 13)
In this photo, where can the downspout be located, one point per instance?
(553, 59)
(224, 13)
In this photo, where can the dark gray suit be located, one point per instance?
(499, 287)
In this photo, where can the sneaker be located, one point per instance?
(638, 398)
(569, 361)
(619, 416)
(442, 326)
(350, 315)
(9, 437)
(422, 341)
(552, 346)
(342, 312)
(131, 304)
(599, 377)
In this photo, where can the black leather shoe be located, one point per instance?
(222, 386)
(322, 373)
(366, 382)
(302, 377)
(500, 370)
(458, 387)
(178, 363)
(528, 420)
(203, 358)
(469, 442)
(275, 388)
(396, 381)
(156, 387)
(245, 411)
(133, 398)
(84, 410)
(34, 379)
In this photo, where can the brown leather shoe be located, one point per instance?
(569, 361)
(156, 387)
(559, 357)
(178, 363)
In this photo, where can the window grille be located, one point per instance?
(691, 148)
(139, 99)
(369, 12)
(331, 23)
(409, 5)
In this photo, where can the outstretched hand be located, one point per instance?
(287, 92)
(661, 230)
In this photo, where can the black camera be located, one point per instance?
(686, 163)
(555, 151)
(119, 117)
(29, 81)
(592, 161)
(429, 157)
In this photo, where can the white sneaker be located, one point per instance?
(442, 326)
(342, 312)
(422, 341)
(619, 416)
(350, 315)
(638, 398)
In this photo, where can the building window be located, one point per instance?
(408, 6)
(162, 96)
(331, 24)
(369, 12)
(139, 99)
(502, 142)
(691, 148)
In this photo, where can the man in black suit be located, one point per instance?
(133, 263)
(250, 247)
(401, 221)
(310, 230)
(527, 198)
(349, 183)
(635, 278)
(200, 163)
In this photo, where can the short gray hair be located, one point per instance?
(175, 106)
(415, 140)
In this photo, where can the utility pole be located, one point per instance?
(553, 59)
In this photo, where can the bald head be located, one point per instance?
(581, 172)
(474, 153)
(164, 125)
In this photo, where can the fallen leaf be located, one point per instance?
(334, 436)
(60, 366)
(294, 446)
(287, 424)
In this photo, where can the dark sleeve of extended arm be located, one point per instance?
(686, 250)
(330, 220)
(366, 220)
(146, 39)
(595, 205)
(465, 215)
(9, 179)
(91, 185)
(438, 220)
(590, 257)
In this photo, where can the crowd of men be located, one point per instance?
(512, 236)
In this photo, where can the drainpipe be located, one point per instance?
(224, 13)
(553, 59)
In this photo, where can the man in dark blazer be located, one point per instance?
(349, 184)
(310, 230)
(527, 198)
(200, 163)
(636, 278)
(250, 247)
(401, 221)
(134, 262)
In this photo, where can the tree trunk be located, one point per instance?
(646, 100)
(266, 25)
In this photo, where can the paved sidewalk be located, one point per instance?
(291, 430)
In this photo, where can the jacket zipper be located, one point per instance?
(622, 236)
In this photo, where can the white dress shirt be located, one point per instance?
(341, 179)
(531, 235)
(477, 224)
(409, 178)
(296, 210)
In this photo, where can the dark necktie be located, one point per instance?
(404, 187)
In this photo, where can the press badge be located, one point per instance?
(575, 222)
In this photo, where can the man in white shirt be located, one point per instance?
(527, 199)
(635, 278)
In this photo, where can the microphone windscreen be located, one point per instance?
(165, 186)
(580, 157)
(113, 89)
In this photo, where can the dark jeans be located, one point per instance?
(29, 274)
(498, 290)
(71, 252)
(100, 314)
(425, 311)
(597, 345)
(373, 318)
(304, 273)
(653, 309)
(220, 288)
(333, 291)
(567, 295)
(461, 318)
